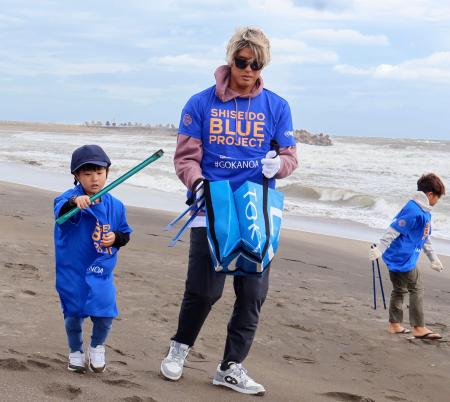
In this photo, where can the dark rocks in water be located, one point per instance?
(33, 163)
(305, 137)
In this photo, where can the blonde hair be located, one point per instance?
(252, 38)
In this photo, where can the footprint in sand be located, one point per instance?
(22, 267)
(119, 363)
(12, 364)
(197, 355)
(440, 325)
(29, 292)
(395, 398)
(39, 361)
(62, 391)
(346, 396)
(122, 383)
(118, 351)
(25, 270)
(299, 327)
(135, 398)
(305, 360)
(38, 364)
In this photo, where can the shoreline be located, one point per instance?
(131, 195)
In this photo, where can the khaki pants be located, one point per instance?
(403, 283)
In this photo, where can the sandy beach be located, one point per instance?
(318, 340)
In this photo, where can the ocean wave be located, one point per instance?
(365, 180)
(330, 195)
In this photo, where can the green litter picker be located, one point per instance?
(115, 183)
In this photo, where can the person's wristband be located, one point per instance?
(72, 201)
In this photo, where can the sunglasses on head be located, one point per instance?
(243, 63)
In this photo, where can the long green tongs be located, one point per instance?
(115, 183)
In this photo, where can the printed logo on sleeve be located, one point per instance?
(187, 119)
(402, 223)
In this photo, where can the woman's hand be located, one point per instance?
(271, 164)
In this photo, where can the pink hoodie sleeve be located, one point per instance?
(289, 163)
(187, 158)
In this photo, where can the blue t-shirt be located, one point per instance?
(236, 134)
(414, 226)
(84, 269)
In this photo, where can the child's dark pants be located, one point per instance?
(74, 329)
(403, 283)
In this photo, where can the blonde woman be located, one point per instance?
(229, 132)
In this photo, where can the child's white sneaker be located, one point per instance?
(76, 362)
(97, 361)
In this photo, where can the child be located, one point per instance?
(86, 249)
(400, 248)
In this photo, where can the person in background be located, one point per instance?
(400, 248)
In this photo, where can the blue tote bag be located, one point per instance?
(259, 210)
(244, 226)
(224, 238)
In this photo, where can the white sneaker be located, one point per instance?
(97, 361)
(76, 362)
(237, 379)
(172, 365)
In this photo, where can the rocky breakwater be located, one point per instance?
(305, 137)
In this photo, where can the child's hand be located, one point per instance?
(437, 266)
(83, 202)
(374, 253)
(108, 239)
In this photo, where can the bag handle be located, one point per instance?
(211, 218)
(275, 146)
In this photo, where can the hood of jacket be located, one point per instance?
(421, 200)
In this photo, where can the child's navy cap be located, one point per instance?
(93, 154)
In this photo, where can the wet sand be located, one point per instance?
(318, 340)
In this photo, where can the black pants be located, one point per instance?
(204, 287)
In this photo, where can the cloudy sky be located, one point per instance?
(347, 67)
